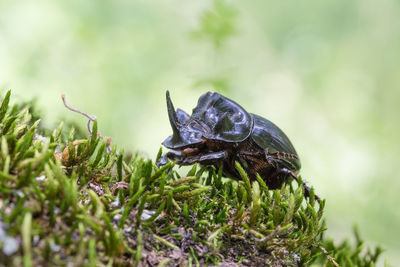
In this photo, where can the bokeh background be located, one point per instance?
(327, 72)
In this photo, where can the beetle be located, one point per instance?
(220, 133)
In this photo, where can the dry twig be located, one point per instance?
(91, 118)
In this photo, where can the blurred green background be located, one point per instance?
(327, 72)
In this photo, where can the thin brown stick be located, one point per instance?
(91, 118)
(332, 260)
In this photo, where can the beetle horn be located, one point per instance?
(173, 119)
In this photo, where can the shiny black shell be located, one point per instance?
(223, 120)
(267, 135)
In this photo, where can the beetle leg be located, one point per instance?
(277, 155)
(307, 189)
(206, 159)
(162, 160)
(189, 150)
(250, 153)
(173, 155)
(269, 158)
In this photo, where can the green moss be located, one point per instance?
(67, 198)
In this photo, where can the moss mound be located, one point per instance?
(66, 198)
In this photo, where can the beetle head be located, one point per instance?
(183, 134)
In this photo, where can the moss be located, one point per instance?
(67, 198)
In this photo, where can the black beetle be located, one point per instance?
(220, 132)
